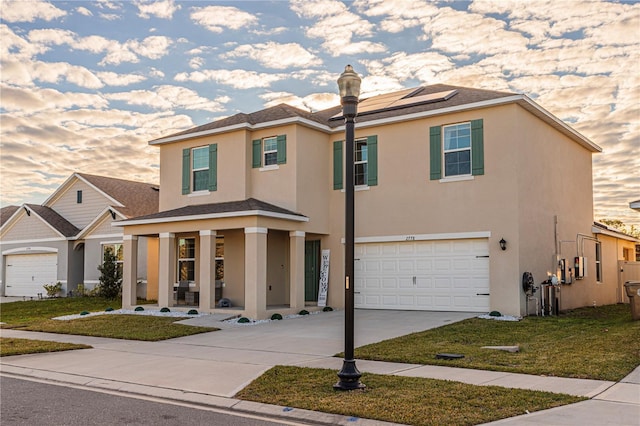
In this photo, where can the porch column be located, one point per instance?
(296, 272)
(207, 268)
(255, 272)
(167, 271)
(129, 271)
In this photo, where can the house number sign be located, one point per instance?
(324, 279)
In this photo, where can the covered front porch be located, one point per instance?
(246, 260)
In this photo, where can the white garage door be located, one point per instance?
(27, 273)
(438, 275)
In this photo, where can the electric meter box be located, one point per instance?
(580, 266)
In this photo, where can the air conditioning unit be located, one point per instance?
(580, 267)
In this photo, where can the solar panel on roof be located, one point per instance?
(400, 99)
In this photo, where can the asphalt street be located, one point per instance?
(33, 403)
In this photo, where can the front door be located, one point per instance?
(311, 270)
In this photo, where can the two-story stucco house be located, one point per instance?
(64, 238)
(443, 174)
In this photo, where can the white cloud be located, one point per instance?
(275, 55)
(238, 79)
(313, 102)
(160, 9)
(169, 97)
(33, 101)
(84, 11)
(196, 63)
(29, 11)
(401, 66)
(26, 73)
(113, 79)
(217, 18)
(337, 26)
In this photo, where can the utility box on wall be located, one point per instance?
(580, 267)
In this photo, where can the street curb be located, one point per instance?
(194, 398)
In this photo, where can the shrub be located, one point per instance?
(84, 313)
(276, 317)
(53, 289)
(110, 284)
(244, 320)
(192, 312)
(327, 309)
(303, 312)
(139, 308)
(109, 309)
(165, 309)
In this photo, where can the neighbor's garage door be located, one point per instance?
(27, 273)
(440, 275)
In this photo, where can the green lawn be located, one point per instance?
(11, 346)
(595, 343)
(36, 316)
(407, 400)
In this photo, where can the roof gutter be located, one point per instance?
(212, 216)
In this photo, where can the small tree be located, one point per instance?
(110, 276)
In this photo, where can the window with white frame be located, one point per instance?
(457, 149)
(598, 262)
(270, 151)
(117, 250)
(361, 162)
(186, 259)
(200, 168)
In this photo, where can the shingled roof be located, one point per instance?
(6, 213)
(138, 198)
(58, 222)
(330, 117)
(203, 210)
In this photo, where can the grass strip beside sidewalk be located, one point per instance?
(12, 346)
(407, 400)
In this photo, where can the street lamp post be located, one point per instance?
(349, 84)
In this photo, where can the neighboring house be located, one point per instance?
(443, 174)
(64, 239)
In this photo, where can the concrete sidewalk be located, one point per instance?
(211, 368)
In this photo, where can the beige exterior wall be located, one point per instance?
(536, 193)
(27, 228)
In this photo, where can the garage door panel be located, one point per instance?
(439, 275)
(27, 273)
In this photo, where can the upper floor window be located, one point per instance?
(360, 162)
(269, 151)
(456, 150)
(79, 196)
(200, 169)
(365, 158)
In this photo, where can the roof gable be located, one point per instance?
(55, 225)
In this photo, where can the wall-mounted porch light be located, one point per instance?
(503, 244)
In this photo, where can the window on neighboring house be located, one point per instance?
(269, 151)
(598, 262)
(116, 249)
(200, 169)
(456, 150)
(79, 197)
(186, 259)
(365, 158)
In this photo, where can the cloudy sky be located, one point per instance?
(85, 84)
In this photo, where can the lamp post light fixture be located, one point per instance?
(349, 84)
(503, 244)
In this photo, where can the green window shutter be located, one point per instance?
(477, 148)
(435, 152)
(337, 165)
(282, 149)
(213, 167)
(186, 170)
(372, 160)
(257, 153)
